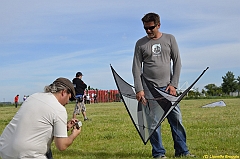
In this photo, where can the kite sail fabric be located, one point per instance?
(147, 118)
(215, 104)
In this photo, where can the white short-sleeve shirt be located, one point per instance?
(30, 133)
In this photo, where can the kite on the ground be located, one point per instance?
(215, 104)
(147, 118)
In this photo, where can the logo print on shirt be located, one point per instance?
(156, 49)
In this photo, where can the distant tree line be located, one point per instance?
(230, 84)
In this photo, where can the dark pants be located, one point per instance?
(49, 154)
(16, 104)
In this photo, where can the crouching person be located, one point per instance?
(41, 119)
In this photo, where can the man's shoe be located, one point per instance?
(187, 155)
(163, 156)
(190, 155)
(85, 119)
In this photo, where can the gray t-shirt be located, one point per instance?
(153, 59)
(30, 133)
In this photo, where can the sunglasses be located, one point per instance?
(150, 28)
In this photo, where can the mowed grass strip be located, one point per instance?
(110, 133)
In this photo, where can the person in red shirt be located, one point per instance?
(16, 101)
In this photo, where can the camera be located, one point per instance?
(78, 124)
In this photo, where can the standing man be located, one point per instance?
(95, 97)
(80, 87)
(152, 57)
(16, 100)
(24, 97)
(41, 119)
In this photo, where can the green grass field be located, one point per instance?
(110, 134)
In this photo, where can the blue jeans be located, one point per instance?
(178, 135)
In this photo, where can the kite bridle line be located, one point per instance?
(154, 99)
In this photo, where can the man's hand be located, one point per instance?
(171, 90)
(71, 123)
(141, 97)
(62, 143)
(76, 131)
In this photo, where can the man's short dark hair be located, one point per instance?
(151, 17)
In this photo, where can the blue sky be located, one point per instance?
(43, 40)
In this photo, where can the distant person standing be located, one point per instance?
(88, 98)
(80, 87)
(95, 98)
(16, 100)
(24, 97)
